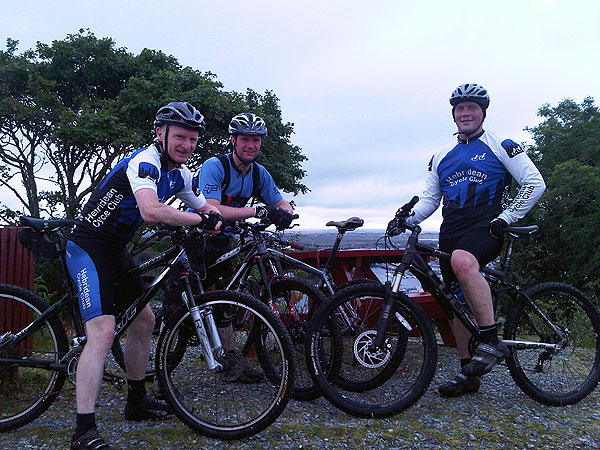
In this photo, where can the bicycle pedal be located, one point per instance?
(115, 380)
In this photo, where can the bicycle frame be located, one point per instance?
(414, 262)
(170, 258)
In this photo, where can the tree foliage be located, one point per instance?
(567, 152)
(71, 109)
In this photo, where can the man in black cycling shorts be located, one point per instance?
(473, 178)
(228, 182)
(135, 191)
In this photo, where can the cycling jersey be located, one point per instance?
(209, 181)
(112, 213)
(473, 178)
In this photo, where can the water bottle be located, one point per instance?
(457, 291)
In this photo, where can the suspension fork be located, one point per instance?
(384, 317)
(205, 326)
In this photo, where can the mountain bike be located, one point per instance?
(37, 357)
(552, 330)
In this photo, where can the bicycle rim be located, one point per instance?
(205, 400)
(377, 383)
(26, 392)
(304, 299)
(563, 376)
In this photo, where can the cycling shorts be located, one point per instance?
(477, 241)
(97, 271)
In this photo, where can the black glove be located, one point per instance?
(277, 216)
(209, 221)
(497, 227)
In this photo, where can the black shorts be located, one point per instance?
(97, 270)
(477, 241)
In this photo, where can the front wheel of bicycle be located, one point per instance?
(29, 378)
(209, 402)
(568, 373)
(383, 381)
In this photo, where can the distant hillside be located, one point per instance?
(354, 239)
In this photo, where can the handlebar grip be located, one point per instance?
(410, 204)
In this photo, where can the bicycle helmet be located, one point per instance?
(247, 123)
(182, 114)
(470, 92)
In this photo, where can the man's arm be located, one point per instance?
(153, 211)
(230, 213)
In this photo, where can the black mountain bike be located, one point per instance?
(37, 357)
(552, 331)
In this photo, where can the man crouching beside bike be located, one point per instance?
(135, 191)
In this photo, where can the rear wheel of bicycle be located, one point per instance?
(26, 391)
(565, 375)
(204, 400)
(384, 381)
(296, 303)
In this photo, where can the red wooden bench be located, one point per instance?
(354, 264)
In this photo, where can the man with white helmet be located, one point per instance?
(473, 178)
(228, 182)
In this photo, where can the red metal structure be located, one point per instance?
(17, 267)
(354, 264)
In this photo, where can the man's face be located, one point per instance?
(468, 117)
(181, 141)
(247, 145)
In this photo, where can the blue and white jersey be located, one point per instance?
(473, 179)
(112, 215)
(210, 179)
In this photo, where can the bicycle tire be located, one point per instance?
(394, 379)
(26, 392)
(306, 300)
(561, 377)
(204, 400)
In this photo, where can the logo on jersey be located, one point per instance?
(478, 157)
(430, 165)
(210, 188)
(511, 147)
(147, 170)
(195, 189)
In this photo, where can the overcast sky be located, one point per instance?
(366, 84)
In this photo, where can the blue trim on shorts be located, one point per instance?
(83, 272)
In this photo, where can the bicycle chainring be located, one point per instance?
(71, 359)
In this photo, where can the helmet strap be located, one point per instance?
(164, 149)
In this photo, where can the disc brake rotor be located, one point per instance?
(367, 357)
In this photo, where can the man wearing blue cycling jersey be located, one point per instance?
(135, 191)
(228, 182)
(473, 178)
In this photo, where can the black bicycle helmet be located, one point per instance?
(247, 123)
(470, 92)
(182, 114)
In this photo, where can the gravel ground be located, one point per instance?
(500, 416)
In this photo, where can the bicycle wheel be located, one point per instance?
(296, 303)
(26, 388)
(392, 378)
(555, 377)
(204, 400)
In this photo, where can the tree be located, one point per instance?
(70, 110)
(567, 152)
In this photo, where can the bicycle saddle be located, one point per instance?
(44, 224)
(347, 225)
(522, 231)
